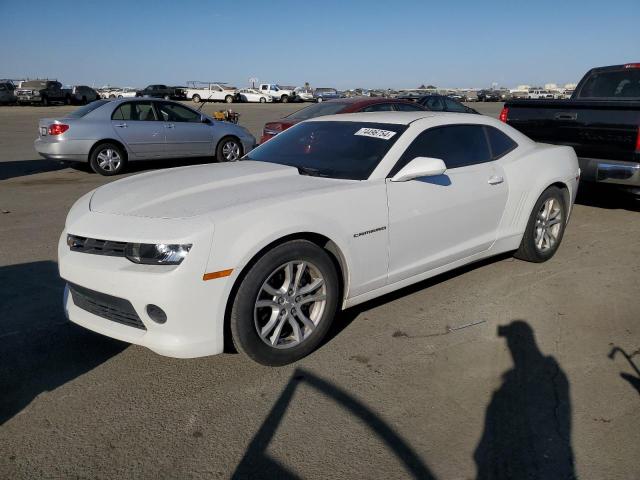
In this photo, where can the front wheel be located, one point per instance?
(319, 99)
(107, 159)
(285, 304)
(545, 228)
(228, 99)
(229, 149)
(263, 100)
(196, 99)
(284, 99)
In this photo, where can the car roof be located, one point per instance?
(403, 118)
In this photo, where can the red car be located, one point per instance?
(339, 105)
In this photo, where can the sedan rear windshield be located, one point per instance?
(318, 110)
(345, 150)
(88, 108)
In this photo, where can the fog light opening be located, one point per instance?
(156, 314)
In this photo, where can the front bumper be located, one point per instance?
(194, 307)
(610, 171)
(64, 149)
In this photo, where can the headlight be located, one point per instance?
(156, 254)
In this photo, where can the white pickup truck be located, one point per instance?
(279, 94)
(210, 92)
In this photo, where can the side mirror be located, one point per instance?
(206, 120)
(420, 167)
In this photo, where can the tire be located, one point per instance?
(545, 229)
(225, 152)
(228, 99)
(45, 102)
(84, 100)
(103, 159)
(268, 271)
(195, 99)
(263, 100)
(284, 99)
(319, 99)
(167, 97)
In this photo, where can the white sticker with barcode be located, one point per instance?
(375, 133)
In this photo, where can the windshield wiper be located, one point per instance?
(312, 172)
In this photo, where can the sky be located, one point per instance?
(342, 44)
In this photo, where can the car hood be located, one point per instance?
(204, 189)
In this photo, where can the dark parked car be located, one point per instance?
(43, 92)
(342, 105)
(322, 94)
(163, 91)
(601, 121)
(81, 95)
(7, 92)
(442, 103)
(489, 96)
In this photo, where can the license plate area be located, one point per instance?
(43, 131)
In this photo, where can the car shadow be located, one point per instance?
(256, 463)
(527, 429)
(39, 349)
(607, 196)
(22, 168)
(346, 317)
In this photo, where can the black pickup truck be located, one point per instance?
(43, 92)
(163, 91)
(601, 121)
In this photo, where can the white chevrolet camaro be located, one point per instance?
(331, 213)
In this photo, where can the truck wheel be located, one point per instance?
(229, 149)
(545, 228)
(284, 99)
(263, 100)
(45, 101)
(196, 99)
(285, 304)
(107, 159)
(228, 99)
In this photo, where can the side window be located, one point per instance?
(2, 88)
(378, 107)
(435, 104)
(501, 143)
(456, 145)
(135, 111)
(407, 107)
(453, 106)
(172, 112)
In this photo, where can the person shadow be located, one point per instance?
(527, 430)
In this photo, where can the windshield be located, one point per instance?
(34, 84)
(346, 150)
(89, 107)
(317, 110)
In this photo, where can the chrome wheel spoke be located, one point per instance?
(264, 331)
(299, 271)
(311, 287)
(273, 339)
(314, 298)
(297, 333)
(306, 320)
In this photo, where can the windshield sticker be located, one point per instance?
(375, 133)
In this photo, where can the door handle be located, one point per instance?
(566, 116)
(495, 180)
(121, 125)
(169, 125)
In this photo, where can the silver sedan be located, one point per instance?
(108, 134)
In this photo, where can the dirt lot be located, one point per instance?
(418, 384)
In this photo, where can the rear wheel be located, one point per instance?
(319, 99)
(284, 99)
(107, 159)
(45, 101)
(196, 99)
(229, 149)
(285, 303)
(263, 100)
(228, 99)
(545, 228)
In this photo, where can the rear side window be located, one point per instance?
(500, 142)
(457, 145)
(378, 107)
(135, 111)
(406, 107)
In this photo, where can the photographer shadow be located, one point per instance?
(527, 431)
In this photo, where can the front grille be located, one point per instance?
(95, 246)
(106, 306)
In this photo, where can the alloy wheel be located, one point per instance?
(231, 150)
(548, 225)
(109, 160)
(290, 304)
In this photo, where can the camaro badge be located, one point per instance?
(379, 229)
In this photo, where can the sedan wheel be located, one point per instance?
(107, 159)
(545, 228)
(285, 303)
(229, 150)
